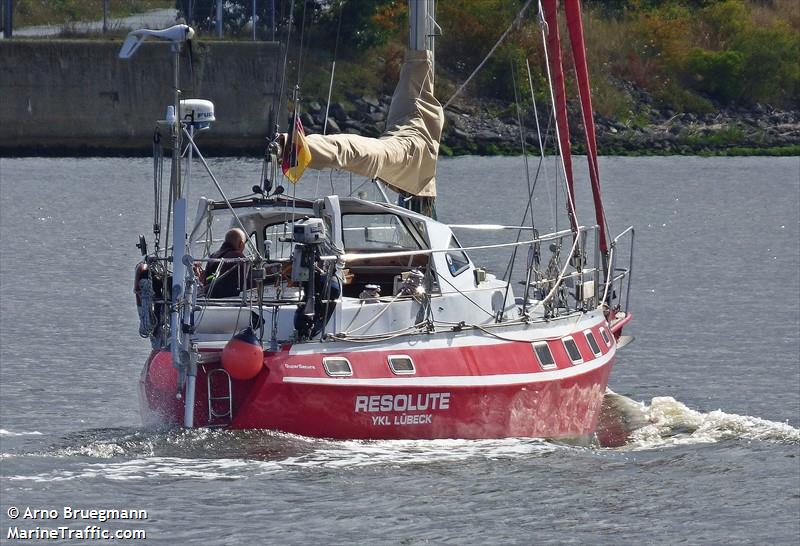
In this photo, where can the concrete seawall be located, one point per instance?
(69, 97)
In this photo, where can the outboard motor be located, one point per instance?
(308, 235)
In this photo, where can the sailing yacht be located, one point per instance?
(364, 319)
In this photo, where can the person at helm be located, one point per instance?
(227, 278)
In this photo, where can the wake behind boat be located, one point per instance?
(343, 317)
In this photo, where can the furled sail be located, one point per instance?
(405, 155)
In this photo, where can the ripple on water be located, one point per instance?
(9, 433)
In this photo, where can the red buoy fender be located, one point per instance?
(243, 357)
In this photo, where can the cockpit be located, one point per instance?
(378, 243)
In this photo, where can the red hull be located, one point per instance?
(464, 386)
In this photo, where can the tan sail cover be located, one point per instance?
(405, 155)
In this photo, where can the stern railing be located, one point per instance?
(617, 291)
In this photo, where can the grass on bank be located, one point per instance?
(702, 151)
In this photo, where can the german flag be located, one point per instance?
(296, 156)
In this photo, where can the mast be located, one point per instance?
(420, 38)
(421, 25)
(550, 8)
(405, 155)
(575, 26)
(183, 284)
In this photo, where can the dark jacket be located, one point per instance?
(222, 280)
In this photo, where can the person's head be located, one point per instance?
(235, 239)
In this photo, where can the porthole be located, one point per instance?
(572, 350)
(337, 366)
(606, 337)
(401, 364)
(546, 360)
(592, 342)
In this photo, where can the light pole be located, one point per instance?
(219, 18)
(8, 15)
(254, 20)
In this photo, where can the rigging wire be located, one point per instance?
(300, 53)
(330, 92)
(473, 302)
(377, 338)
(359, 257)
(570, 197)
(248, 241)
(296, 102)
(517, 20)
(542, 165)
(513, 259)
(333, 67)
(529, 206)
(577, 234)
(273, 110)
(522, 138)
(487, 331)
(285, 64)
(542, 162)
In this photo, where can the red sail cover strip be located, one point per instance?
(550, 8)
(575, 26)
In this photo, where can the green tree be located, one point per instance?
(358, 26)
(771, 68)
(717, 73)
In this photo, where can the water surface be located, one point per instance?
(715, 363)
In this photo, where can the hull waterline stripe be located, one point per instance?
(461, 381)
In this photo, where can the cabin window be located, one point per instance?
(337, 366)
(401, 364)
(592, 342)
(280, 237)
(457, 261)
(419, 227)
(546, 360)
(606, 337)
(572, 350)
(377, 231)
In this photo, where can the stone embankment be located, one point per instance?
(76, 97)
(481, 128)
